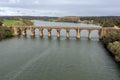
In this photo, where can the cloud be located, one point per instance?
(14, 1)
(30, 12)
(62, 7)
(36, 2)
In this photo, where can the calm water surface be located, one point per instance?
(26, 58)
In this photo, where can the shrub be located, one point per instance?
(28, 22)
(5, 32)
(111, 37)
(112, 42)
(114, 48)
(1, 23)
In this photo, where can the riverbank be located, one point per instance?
(19, 22)
(111, 42)
(5, 32)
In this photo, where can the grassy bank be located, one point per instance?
(112, 43)
(17, 22)
(12, 22)
(5, 32)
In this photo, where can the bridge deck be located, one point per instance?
(60, 27)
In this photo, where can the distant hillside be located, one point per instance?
(74, 19)
(105, 21)
(28, 17)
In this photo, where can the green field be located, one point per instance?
(13, 22)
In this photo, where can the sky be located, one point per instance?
(59, 8)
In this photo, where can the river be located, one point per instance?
(27, 58)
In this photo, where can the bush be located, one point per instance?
(111, 37)
(112, 42)
(114, 48)
(28, 22)
(107, 24)
(1, 23)
(5, 32)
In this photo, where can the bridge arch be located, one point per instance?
(45, 32)
(94, 34)
(36, 32)
(27, 32)
(53, 32)
(63, 32)
(84, 33)
(73, 32)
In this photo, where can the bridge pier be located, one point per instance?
(78, 33)
(58, 33)
(49, 32)
(67, 33)
(102, 32)
(41, 32)
(89, 34)
(32, 31)
(23, 31)
(16, 31)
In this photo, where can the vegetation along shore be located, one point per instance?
(6, 31)
(112, 44)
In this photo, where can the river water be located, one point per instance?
(27, 58)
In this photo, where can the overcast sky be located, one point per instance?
(60, 7)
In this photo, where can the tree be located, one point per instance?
(1, 23)
(28, 22)
(111, 37)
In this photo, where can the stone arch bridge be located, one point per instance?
(101, 31)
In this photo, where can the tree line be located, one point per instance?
(28, 17)
(73, 19)
(105, 21)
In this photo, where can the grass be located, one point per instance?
(13, 22)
